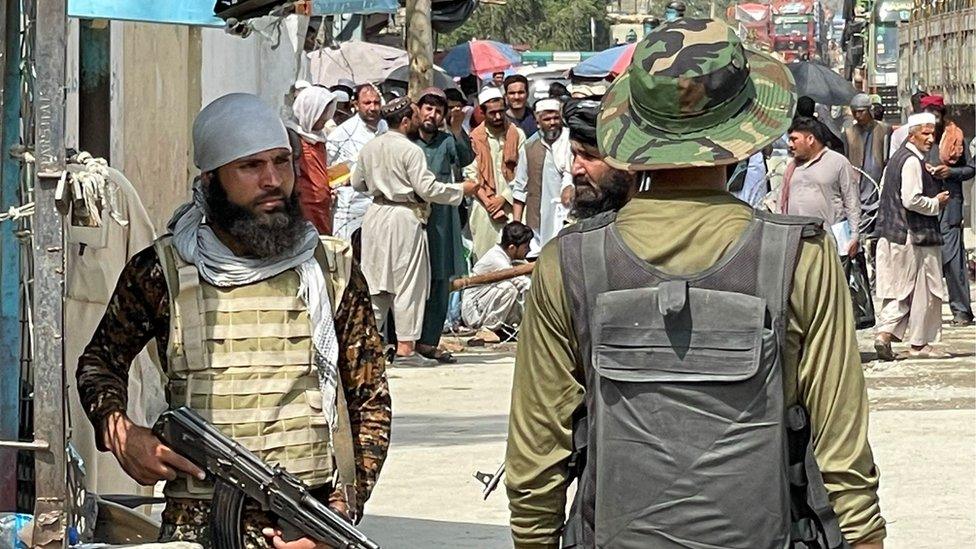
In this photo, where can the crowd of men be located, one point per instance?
(689, 358)
(851, 181)
(515, 166)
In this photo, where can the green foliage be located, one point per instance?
(541, 24)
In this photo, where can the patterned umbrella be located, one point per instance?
(609, 62)
(479, 57)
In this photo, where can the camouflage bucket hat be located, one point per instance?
(693, 96)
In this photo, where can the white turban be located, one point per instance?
(544, 105)
(921, 119)
(308, 108)
(234, 126)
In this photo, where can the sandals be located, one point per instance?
(883, 348)
(443, 357)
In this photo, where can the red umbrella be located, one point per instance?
(624, 61)
(479, 57)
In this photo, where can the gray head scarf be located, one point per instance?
(232, 127)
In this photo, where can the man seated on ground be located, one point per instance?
(498, 306)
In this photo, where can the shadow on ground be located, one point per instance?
(409, 533)
(429, 430)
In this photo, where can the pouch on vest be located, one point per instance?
(686, 438)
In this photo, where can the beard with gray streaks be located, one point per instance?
(609, 194)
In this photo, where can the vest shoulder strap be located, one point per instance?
(187, 322)
(809, 226)
(598, 221)
(335, 257)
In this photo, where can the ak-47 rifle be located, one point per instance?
(238, 473)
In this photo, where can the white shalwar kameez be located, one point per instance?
(909, 277)
(492, 306)
(393, 172)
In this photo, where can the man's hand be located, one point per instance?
(852, 247)
(300, 543)
(456, 121)
(517, 209)
(470, 187)
(495, 204)
(143, 456)
(942, 197)
(567, 196)
(939, 172)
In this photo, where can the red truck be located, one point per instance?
(752, 21)
(798, 29)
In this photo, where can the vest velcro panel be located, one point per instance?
(253, 379)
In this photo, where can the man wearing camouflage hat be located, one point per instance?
(675, 356)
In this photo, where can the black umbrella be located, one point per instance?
(821, 84)
(441, 79)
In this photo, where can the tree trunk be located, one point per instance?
(420, 46)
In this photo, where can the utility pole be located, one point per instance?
(50, 509)
(420, 46)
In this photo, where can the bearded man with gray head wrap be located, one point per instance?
(598, 187)
(264, 328)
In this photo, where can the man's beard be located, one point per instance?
(552, 135)
(609, 194)
(262, 235)
(428, 126)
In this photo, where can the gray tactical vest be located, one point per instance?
(685, 439)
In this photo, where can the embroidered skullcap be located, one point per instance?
(234, 126)
(395, 105)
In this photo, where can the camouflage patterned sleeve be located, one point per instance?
(362, 366)
(137, 312)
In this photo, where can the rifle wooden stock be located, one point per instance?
(491, 278)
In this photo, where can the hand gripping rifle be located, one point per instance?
(238, 473)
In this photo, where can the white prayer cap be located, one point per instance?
(920, 119)
(234, 126)
(544, 105)
(341, 95)
(489, 93)
(302, 84)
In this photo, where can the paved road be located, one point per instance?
(451, 421)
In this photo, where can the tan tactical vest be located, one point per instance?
(242, 358)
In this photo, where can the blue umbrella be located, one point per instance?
(479, 57)
(607, 62)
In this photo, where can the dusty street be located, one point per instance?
(451, 421)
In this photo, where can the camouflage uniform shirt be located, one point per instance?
(139, 311)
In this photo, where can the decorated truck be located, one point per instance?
(798, 29)
(752, 20)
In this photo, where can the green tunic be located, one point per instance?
(446, 156)
(684, 232)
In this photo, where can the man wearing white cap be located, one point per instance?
(909, 261)
(499, 147)
(547, 171)
(255, 316)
